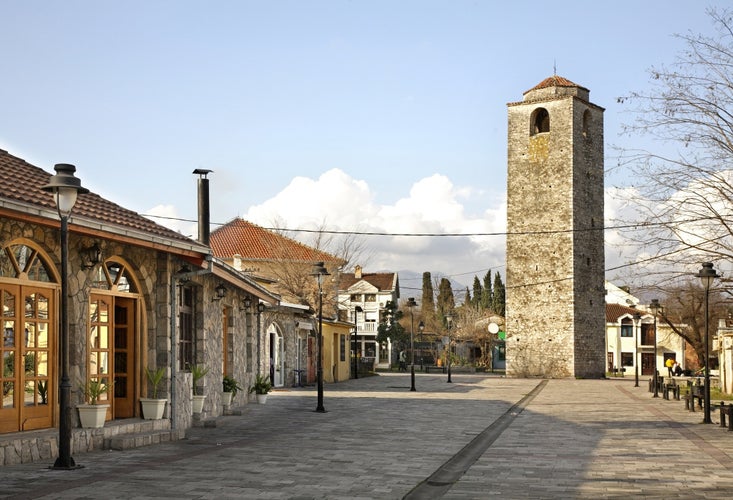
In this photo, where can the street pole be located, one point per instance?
(319, 272)
(707, 274)
(637, 318)
(411, 304)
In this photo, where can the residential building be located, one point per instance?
(361, 301)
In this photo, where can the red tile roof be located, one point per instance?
(381, 281)
(615, 311)
(253, 242)
(555, 81)
(21, 182)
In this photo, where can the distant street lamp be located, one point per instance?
(357, 309)
(421, 327)
(707, 274)
(637, 323)
(655, 306)
(319, 272)
(65, 188)
(449, 321)
(411, 304)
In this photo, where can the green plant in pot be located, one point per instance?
(260, 388)
(153, 408)
(94, 414)
(197, 373)
(230, 387)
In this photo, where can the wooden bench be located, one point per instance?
(694, 392)
(427, 368)
(672, 387)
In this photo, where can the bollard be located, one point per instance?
(723, 412)
(730, 417)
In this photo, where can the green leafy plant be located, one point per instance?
(155, 378)
(43, 391)
(93, 389)
(197, 373)
(229, 384)
(261, 385)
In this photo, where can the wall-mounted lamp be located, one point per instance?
(246, 303)
(219, 292)
(91, 256)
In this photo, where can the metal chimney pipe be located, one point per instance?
(204, 209)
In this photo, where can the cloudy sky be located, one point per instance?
(374, 116)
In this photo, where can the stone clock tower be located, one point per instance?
(555, 298)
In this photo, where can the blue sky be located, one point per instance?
(357, 115)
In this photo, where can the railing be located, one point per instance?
(366, 327)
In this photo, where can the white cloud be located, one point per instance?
(433, 205)
(167, 215)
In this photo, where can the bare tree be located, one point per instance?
(685, 188)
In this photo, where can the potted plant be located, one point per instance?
(230, 387)
(153, 408)
(260, 388)
(197, 373)
(93, 414)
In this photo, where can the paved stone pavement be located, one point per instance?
(480, 437)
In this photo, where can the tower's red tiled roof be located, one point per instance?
(253, 242)
(21, 182)
(381, 281)
(555, 81)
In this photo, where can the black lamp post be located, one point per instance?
(449, 321)
(707, 274)
(357, 309)
(421, 328)
(319, 272)
(260, 308)
(411, 304)
(655, 306)
(637, 323)
(65, 188)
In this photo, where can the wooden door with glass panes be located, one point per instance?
(111, 351)
(28, 358)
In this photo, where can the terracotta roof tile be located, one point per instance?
(381, 281)
(615, 311)
(21, 182)
(555, 81)
(253, 242)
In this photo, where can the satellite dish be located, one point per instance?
(493, 328)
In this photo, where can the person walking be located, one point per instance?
(669, 364)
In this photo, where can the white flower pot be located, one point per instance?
(226, 398)
(92, 416)
(198, 403)
(261, 398)
(153, 409)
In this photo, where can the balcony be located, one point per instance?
(366, 328)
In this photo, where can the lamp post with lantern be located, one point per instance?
(411, 304)
(449, 322)
(637, 324)
(707, 274)
(319, 271)
(65, 188)
(655, 306)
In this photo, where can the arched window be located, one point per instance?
(540, 121)
(587, 121)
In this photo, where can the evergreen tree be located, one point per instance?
(486, 295)
(468, 301)
(390, 327)
(499, 302)
(478, 291)
(446, 301)
(428, 302)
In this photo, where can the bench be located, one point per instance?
(726, 411)
(427, 368)
(671, 387)
(694, 392)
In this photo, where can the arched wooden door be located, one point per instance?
(28, 348)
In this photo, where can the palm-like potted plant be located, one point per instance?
(197, 373)
(153, 408)
(261, 387)
(93, 414)
(230, 387)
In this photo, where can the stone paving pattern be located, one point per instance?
(571, 439)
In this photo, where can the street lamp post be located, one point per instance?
(449, 321)
(655, 306)
(65, 188)
(260, 308)
(411, 304)
(707, 274)
(357, 309)
(637, 323)
(319, 272)
(421, 328)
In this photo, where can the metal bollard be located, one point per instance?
(723, 412)
(730, 417)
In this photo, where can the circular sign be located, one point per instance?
(493, 328)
